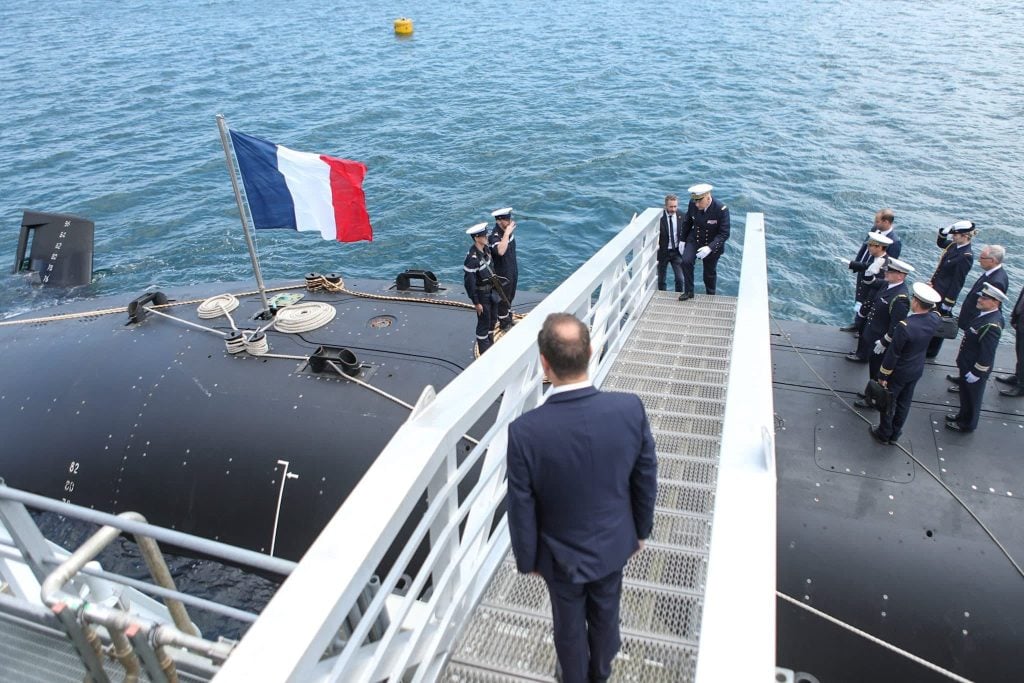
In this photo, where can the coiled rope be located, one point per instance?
(304, 317)
(216, 306)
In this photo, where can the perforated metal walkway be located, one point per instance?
(677, 361)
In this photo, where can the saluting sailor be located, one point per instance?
(503, 250)
(884, 219)
(954, 264)
(478, 281)
(870, 279)
(903, 363)
(702, 236)
(977, 354)
(891, 305)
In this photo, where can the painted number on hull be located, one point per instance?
(69, 484)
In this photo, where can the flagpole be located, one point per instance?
(243, 213)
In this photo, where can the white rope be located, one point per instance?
(216, 306)
(235, 343)
(257, 344)
(878, 641)
(304, 317)
(186, 322)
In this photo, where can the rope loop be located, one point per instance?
(304, 317)
(216, 306)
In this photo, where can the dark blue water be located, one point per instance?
(577, 114)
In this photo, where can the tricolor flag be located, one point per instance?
(302, 191)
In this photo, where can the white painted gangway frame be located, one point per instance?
(462, 534)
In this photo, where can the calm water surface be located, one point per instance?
(578, 114)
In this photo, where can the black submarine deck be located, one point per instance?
(867, 535)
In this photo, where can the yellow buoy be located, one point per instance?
(403, 26)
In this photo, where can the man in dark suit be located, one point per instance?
(903, 363)
(951, 273)
(884, 219)
(668, 243)
(991, 260)
(582, 480)
(1016, 380)
(977, 354)
(704, 232)
(890, 306)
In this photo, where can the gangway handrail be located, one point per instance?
(304, 617)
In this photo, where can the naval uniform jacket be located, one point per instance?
(506, 266)
(887, 310)
(707, 228)
(969, 308)
(978, 347)
(477, 279)
(904, 359)
(949, 276)
(665, 249)
(1017, 317)
(868, 286)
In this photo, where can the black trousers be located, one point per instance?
(891, 424)
(710, 268)
(675, 260)
(586, 621)
(503, 310)
(485, 321)
(970, 402)
(1019, 348)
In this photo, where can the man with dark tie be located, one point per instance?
(951, 273)
(903, 363)
(703, 234)
(1015, 381)
(977, 354)
(582, 481)
(884, 218)
(991, 261)
(668, 244)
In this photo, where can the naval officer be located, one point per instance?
(668, 244)
(976, 356)
(884, 219)
(1015, 381)
(503, 251)
(991, 260)
(870, 279)
(478, 280)
(890, 306)
(951, 273)
(903, 363)
(704, 232)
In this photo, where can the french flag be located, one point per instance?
(302, 191)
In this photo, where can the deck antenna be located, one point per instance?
(243, 212)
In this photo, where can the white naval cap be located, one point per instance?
(992, 292)
(698, 191)
(925, 293)
(502, 213)
(899, 266)
(961, 227)
(879, 238)
(476, 229)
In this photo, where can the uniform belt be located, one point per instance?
(484, 288)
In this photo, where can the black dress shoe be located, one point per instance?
(952, 417)
(955, 427)
(862, 404)
(1008, 379)
(878, 436)
(1012, 391)
(685, 295)
(848, 328)
(953, 378)
(955, 389)
(854, 358)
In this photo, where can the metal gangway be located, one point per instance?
(412, 580)
(699, 601)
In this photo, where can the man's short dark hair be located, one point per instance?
(565, 342)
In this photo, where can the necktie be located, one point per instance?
(671, 231)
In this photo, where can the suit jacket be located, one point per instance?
(904, 359)
(664, 251)
(707, 228)
(978, 347)
(949, 276)
(1017, 317)
(582, 480)
(969, 308)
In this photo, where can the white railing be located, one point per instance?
(450, 545)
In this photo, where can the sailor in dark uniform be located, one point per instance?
(977, 353)
(503, 251)
(870, 280)
(991, 259)
(703, 234)
(668, 244)
(954, 265)
(884, 219)
(903, 363)
(479, 287)
(891, 305)
(1015, 381)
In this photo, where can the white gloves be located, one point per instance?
(945, 231)
(703, 251)
(845, 262)
(971, 378)
(879, 347)
(856, 307)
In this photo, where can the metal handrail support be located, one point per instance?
(303, 618)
